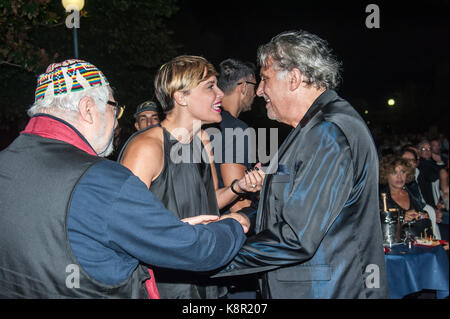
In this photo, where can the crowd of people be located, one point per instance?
(160, 223)
(414, 175)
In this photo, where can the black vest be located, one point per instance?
(37, 178)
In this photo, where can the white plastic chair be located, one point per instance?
(432, 213)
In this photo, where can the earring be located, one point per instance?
(185, 104)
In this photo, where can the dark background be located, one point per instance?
(405, 59)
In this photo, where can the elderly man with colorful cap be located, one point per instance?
(147, 114)
(75, 225)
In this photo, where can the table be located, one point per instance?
(415, 269)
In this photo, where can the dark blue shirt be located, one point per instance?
(114, 223)
(236, 144)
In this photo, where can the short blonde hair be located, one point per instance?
(388, 164)
(182, 73)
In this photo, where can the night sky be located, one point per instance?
(406, 58)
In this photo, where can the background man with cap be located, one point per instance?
(75, 225)
(147, 114)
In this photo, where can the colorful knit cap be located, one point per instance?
(68, 76)
(146, 106)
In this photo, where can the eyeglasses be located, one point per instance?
(425, 149)
(255, 84)
(118, 109)
(249, 82)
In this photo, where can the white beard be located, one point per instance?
(108, 150)
(105, 150)
(271, 114)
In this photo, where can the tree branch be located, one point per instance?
(12, 64)
(16, 66)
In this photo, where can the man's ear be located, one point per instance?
(295, 79)
(243, 88)
(136, 125)
(87, 110)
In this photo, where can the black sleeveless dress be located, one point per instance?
(416, 227)
(185, 186)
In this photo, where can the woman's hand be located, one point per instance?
(252, 180)
(201, 219)
(423, 215)
(410, 215)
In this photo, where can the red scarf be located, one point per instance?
(56, 129)
(51, 127)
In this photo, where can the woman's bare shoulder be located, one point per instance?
(146, 143)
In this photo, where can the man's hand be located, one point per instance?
(201, 219)
(241, 218)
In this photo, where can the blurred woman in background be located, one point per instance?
(395, 172)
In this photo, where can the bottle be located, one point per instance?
(390, 223)
(384, 199)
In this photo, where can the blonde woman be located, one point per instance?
(174, 160)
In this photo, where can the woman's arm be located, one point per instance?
(225, 195)
(229, 173)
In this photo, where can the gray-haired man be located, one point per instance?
(147, 114)
(318, 232)
(74, 225)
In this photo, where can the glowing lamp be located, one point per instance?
(73, 5)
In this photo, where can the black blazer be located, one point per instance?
(318, 225)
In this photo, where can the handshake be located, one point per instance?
(206, 219)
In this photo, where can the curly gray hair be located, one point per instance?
(306, 52)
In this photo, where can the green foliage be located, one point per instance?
(127, 40)
(18, 18)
